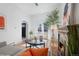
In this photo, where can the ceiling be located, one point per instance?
(28, 8)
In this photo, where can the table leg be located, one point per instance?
(30, 46)
(44, 45)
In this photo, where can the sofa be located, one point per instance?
(9, 50)
(34, 52)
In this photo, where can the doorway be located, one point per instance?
(24, 30)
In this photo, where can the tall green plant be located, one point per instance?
(73, 40)
(53, 18)
(31, 33)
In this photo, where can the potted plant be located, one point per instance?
(52, 19)
(31, 33)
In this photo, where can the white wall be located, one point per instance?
(36, 20)
(12, 30)
(13, 19)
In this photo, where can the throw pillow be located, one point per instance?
(39, 51)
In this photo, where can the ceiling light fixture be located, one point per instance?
(36, 4)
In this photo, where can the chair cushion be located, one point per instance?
(25, 53)
(39, 51)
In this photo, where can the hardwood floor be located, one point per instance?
(21, 45)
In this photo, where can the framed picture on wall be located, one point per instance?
(2, 22)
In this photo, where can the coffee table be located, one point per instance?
(35, 44)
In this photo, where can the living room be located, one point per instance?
(23, 22)
(30, 13)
